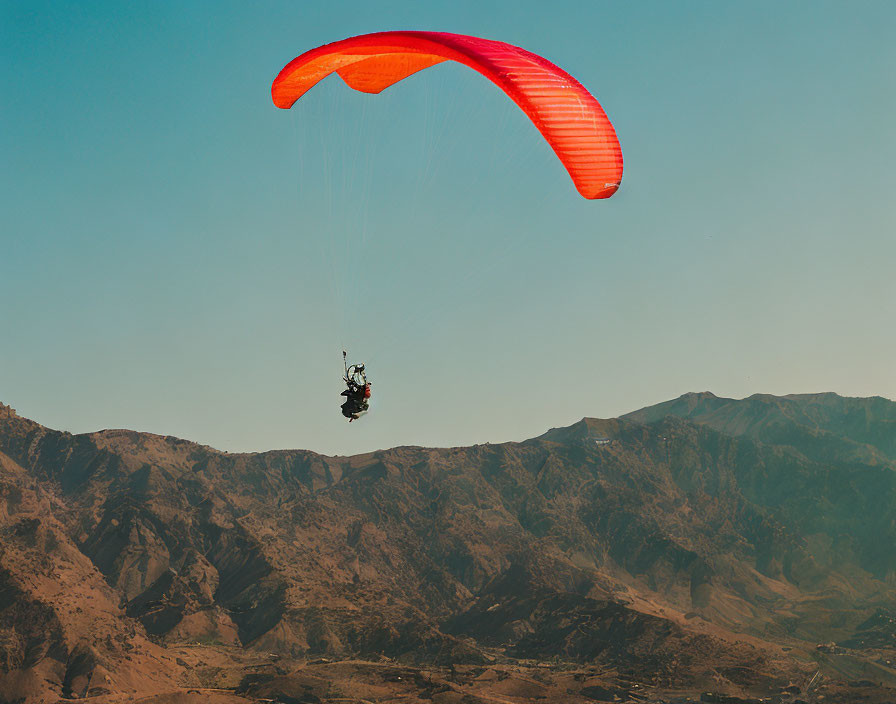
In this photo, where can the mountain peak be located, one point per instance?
(698, 395)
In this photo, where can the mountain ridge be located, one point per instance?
(671, 545)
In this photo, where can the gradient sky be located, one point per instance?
(179, 256)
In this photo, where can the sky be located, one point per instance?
(178, 256)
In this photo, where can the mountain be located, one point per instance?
(743, 548)
(823, 426)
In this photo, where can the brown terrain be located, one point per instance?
(704, 549)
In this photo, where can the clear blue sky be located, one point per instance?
(179, 256)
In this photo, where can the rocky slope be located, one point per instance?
(702, 544)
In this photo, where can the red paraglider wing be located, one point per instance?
(566, 114)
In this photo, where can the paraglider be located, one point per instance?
(569, 118)
(357, 393)
(566, 114)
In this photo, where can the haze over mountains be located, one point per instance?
(741, 547)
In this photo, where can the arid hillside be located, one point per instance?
(717, 548)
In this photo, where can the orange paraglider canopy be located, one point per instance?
(566, 114)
